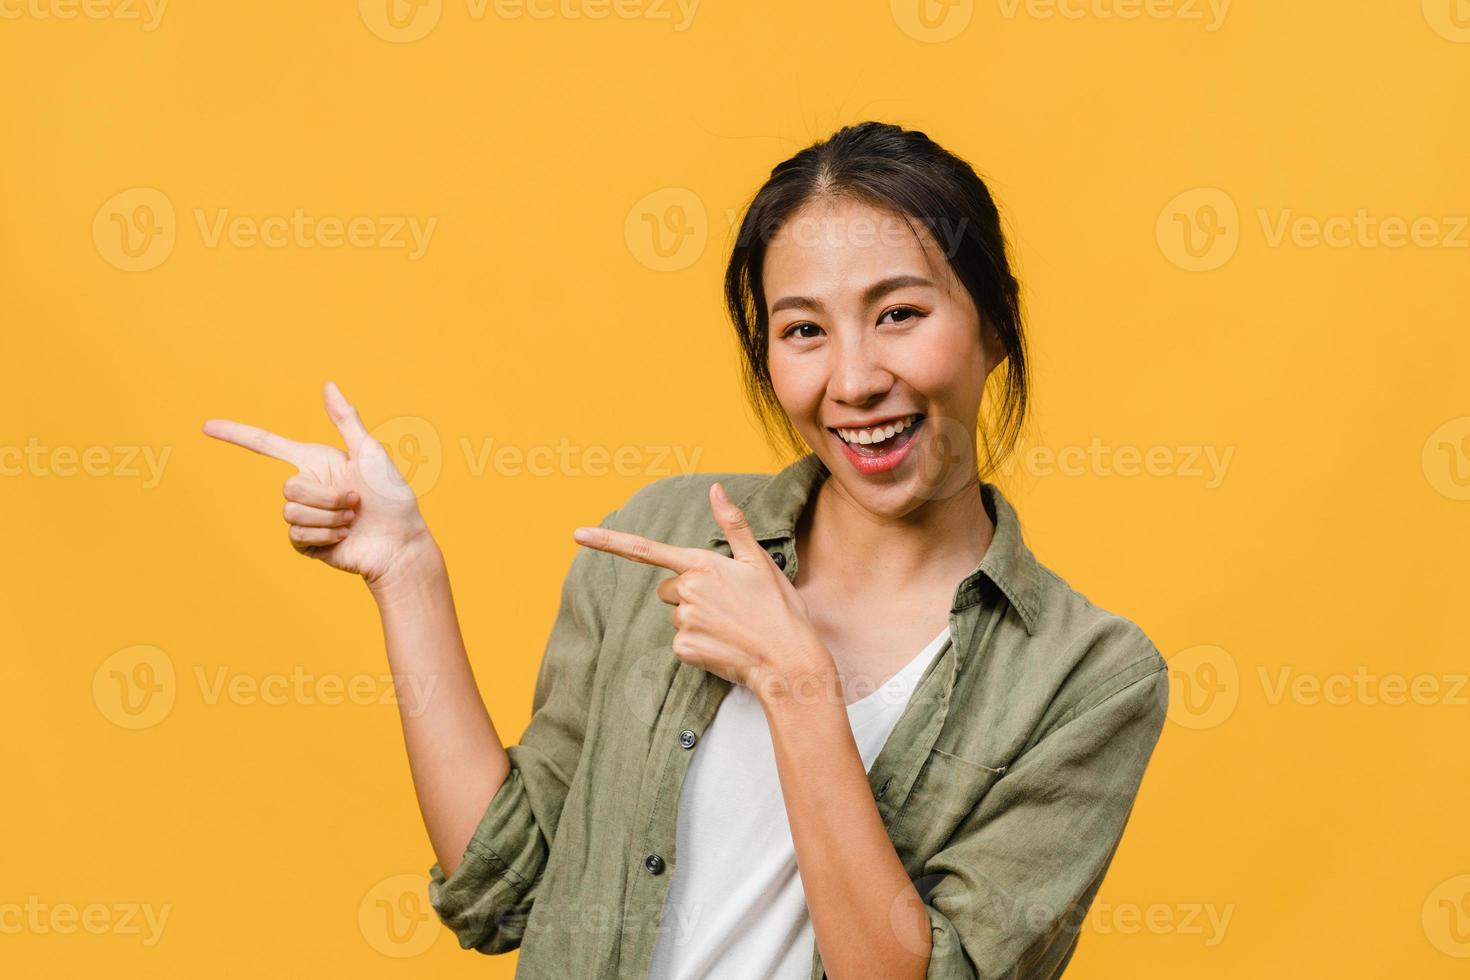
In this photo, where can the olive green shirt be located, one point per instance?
(1005, 785)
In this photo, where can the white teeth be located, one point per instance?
(868, 436)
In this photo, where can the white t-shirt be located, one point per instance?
(736, 909)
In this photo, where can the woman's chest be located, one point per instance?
(871, 637)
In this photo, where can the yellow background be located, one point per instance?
(1324, 833)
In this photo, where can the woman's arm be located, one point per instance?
(456, 756)
(491, 811)
(354, 512)
(1017, 876)
(1013, 884)
(868, 917)
(488, 899)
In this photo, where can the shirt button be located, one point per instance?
(779, 559)
(654, 864)
(687, 738)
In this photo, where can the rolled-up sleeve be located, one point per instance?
(488, 898)
(1007, 895)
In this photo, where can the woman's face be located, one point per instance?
(875, 353)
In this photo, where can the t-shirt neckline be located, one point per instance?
(904, 673)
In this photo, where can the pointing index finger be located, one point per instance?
(256, 440)
(640, 549)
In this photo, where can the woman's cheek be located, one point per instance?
(799, 390)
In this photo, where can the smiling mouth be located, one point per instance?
(879, 447)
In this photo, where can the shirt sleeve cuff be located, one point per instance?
(487, 900)
(947, 959)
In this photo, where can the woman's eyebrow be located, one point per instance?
(873, 293)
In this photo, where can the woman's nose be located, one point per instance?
(857, 377)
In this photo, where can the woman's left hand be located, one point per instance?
(738, 617)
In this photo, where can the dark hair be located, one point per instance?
(902, 171)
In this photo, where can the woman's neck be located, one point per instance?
(940, 541)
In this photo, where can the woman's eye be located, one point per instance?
(806, 331)
(903, 312)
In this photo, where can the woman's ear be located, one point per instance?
(992, 351)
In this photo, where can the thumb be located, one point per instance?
(731, 519)
(344, 417)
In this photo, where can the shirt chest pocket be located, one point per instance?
(948, 789)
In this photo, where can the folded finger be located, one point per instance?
(316, 516)
(668, 590)
(315, 535)
(314, 494)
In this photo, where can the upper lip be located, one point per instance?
(875, 422)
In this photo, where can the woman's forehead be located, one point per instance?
(844, 250)
(844, 223)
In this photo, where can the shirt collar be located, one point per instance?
(774, 507)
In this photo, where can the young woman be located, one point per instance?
(832, 721)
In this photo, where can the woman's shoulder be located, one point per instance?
(1098, 650)
(1059, 626)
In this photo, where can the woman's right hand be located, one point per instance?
(352, 510)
